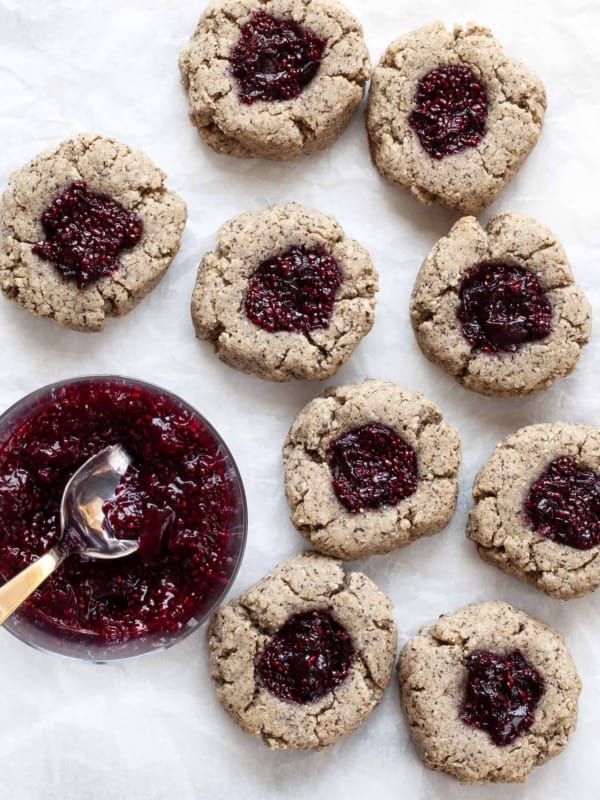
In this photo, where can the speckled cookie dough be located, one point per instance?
(316, 508)
(432, 675)
(274, 128)
(471, 177)
(509, 239)
(500, 523)
(109, 168)
(242, 630)
(218, 302)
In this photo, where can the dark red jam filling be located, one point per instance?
(501, 695)
(564, 505)
(372, 467)
(180, 497)
(308, 657)
(295, 291)
(450, 110)
(274, 59)
(85, 233)
(502, 307)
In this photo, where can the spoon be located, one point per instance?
(82, 524)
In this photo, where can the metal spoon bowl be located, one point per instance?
(84, 528)
(81, 509)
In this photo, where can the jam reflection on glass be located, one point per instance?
(501, 695)
(180, 497)
(502, 307)
(85, 233)
(295, 291)
(450, 110)
(564, 505)
(274, 59)
(308, 657)
(371, 467)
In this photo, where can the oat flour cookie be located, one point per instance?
(498, 308)
(489, 693)
(285, 294)
(451, 117)
(369, 468)
(259, 647)
(537, 508)
(87, 230)
(274, 78)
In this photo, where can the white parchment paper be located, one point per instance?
(152, 729)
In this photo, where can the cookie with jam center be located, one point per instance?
(536, 512)
(86, 231)
(451, 117)
(498, 307)
(303, 657)
(274, 80)
(489, 693)
(285, 294)
(370, 467)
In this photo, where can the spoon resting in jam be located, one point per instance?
(83, 526)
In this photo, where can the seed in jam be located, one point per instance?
(502, 307)
(450, 110)
(501, 695)
(308, 657)
(274, 59)
(295, 291)
(372, 467)
(180, 498)
(564, 505)
(85, 233)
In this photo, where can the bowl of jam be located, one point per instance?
(182, 498)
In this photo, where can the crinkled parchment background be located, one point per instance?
(152, 729)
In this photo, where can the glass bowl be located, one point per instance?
(111, 611)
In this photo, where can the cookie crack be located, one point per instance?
(521, 103)
(326, 597)
(14, 237)
(307, 133)
(253, 617)
(524, 258)
(312, 454)
(441, 641)
(585, 564)
(114, 279)
(220, 94)
(354, 78)
(283, 358)
(317, 718)
(143, 191)
(425, 314)
(579, 329)
(325, 352)
(373, 686)
(484, 494)
(497, 176)
(429, 418)
(229, 16)
(271, 739)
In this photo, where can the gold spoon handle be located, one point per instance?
(18, 589)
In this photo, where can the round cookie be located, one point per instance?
(498, 308)
(489, 693)
(537, 508)
(259, 645)
(127, 225)
(451, 117)
(370, 467)
(274, 79)
(285, 294)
